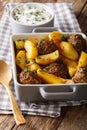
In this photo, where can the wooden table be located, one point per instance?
(72, 118)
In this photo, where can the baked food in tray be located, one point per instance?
(45, 62)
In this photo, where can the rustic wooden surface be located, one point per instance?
(72, 118)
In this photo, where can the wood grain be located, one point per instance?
(82, 18)
(72, 118)
(75, 119)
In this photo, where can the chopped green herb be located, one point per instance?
(27, 61)
(65, 37)
(18, 61)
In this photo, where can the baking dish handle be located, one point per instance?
(58, 92)
(45, 29)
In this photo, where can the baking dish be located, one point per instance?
(43, 92)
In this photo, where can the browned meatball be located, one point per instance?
(58, 68)
(45, 47)
(80, 75)
(78, 42)
(29, 77)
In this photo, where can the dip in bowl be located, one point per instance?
(26, 17)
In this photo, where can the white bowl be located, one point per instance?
(25, 17)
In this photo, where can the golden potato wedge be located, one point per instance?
(68, 50)
(21, 59)
(56, 36)
(19, 44)
(70, 81)
(83, 59)
(71, 70)
(33, 66)
(35, 40)
(31, 49)
(71, 65)
(48, 58)
(50, 78)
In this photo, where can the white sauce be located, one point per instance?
(31, 15)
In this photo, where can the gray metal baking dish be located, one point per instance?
(43, 92)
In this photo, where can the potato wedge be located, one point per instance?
(68, 50)
(21, 59)
(56, 36)
(35, 40)
(71, 70)
(19, 44)
(70, 81)
(31, 49)
(72, 65)
(48, 58)
(50, 78)
(33, 66)
(83, 59)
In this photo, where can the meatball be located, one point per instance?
(78, 42)
(28, 77)
(80, 75)
(45, 47)
(58, 68)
